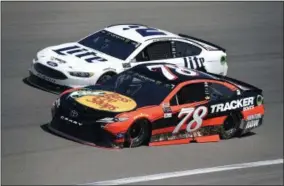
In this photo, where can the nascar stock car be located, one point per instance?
(158, 104)
(110, 51)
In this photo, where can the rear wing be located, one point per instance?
(203, 41)
(240, 84)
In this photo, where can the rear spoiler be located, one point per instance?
(203, 41)
(244, 86)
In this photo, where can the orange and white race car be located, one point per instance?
(158, 104)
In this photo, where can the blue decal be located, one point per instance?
(52, 64)
(145, 31)
(149, 32)
(59, 51)
(97, 58)
(120, 135)
(77, 49)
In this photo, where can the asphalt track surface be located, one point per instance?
(252, 32)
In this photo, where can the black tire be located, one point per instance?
(138, 134)
(230, 127)
(105, 77)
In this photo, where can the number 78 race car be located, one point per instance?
(116, 48)
(158, 104)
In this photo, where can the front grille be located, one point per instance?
(49, 72)
(91, 133)
(46, 85)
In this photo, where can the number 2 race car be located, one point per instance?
(158, 104)
(110, 51)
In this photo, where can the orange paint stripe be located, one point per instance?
(255, 110)
(204, 139)
(208, 122)
(119, 140)
(171, 142)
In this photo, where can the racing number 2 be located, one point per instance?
(197, 114)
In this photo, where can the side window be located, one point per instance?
(156, 51)
(185, 49)
(189, 94)
(219, 91)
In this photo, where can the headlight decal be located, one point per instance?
(81, 74)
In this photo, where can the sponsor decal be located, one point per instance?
(126, 65)
(252, 124)
(104, 100)
(50, 63)
(167, 110)
(253, 117)
(120, 135)
(58, 60)
(194, 62)
(80, 52)
(235, 104)
(81, 93)
(145, 31)
(71, 121)
(73, 114)
(45, 77)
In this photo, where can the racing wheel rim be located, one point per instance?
(137, 134)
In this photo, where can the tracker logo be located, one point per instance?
(222, 107)
(79, 52)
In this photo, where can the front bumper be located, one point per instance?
(88, 134)
(46, 85)
(54, 79)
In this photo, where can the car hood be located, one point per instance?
(100, 100)
(75, 56)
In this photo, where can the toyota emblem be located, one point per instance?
(73, 114)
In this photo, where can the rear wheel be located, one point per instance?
(138, 134)
(230, 126)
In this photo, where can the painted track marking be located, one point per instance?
(186, 173)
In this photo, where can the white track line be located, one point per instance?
(186, 173)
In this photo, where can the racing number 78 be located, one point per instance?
(197, 118)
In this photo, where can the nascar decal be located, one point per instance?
(107, 101)
(193, 62)
(235, 104)
(79, 52)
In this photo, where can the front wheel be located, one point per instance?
(104, 78)
(138, 134)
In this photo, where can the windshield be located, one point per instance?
(110, 44)
(143, 90)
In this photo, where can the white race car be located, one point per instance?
(110, 51)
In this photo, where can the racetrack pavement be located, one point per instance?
(252, 33)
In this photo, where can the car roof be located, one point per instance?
(158, 75)
(129, 31)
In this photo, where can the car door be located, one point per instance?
(190, 54)
(190, 107)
